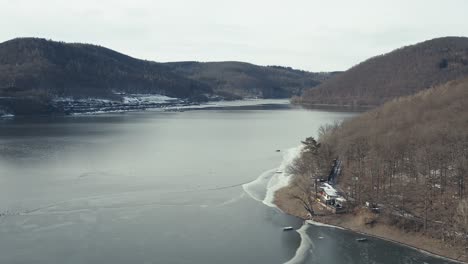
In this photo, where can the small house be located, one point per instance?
(330, 196)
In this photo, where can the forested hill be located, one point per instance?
(409, 156)
(248, 80)
(31, 66)
(404, 71)
(39, 70)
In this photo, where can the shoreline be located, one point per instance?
(425, 251)
(352, 222)
(334, 107)
(93, 106)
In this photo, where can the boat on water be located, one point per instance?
(362, 239)
(288, 228)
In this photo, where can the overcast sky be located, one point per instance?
(313, 35)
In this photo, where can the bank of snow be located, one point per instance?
(304, 248)
(148, 99)
(5, 114)
(121, 103)
(264, 187)
(139, 102)
(312, 222)
(282, 177)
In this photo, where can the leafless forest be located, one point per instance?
(401, 72)
(409, 157)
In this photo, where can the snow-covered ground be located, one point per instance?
(138, 102)
(148, 98)
(5, 114)
(128, 102)
(72, 100)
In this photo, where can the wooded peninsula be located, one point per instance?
(402, 170)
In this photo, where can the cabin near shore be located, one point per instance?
(332, 198)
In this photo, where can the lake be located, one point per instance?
(164, 187)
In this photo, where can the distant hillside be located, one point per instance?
(401, 72)
(34, 72)
(241, 79)
(30, 66)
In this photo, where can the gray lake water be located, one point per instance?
(163, 187)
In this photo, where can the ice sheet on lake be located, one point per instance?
(257, 188)
(272, 180)
(282, 177)
(304, 248)
(312, 222)
(147, 98)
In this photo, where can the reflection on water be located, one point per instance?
(155, 187)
